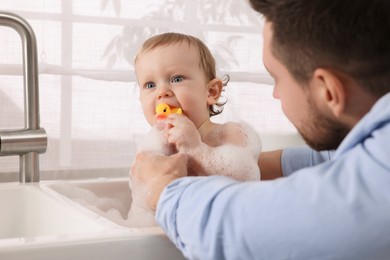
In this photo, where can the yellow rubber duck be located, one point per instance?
(163, 110)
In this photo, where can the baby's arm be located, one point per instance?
(236, 157)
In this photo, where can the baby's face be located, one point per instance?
(172, 74)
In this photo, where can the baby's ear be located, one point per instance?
(214, 88)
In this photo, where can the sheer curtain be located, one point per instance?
(88, 92)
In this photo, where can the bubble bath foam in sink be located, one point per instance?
(76, 220)
(110, 199)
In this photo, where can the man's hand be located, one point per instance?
(152, 172)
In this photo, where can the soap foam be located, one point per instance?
(155, 141)
(112, 208)
(238, 161)
(117, 209)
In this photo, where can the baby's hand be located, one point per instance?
(182, 133)
(160, 125)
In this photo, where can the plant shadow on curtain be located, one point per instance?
(88, 91)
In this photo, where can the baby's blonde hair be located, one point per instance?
(207, 61)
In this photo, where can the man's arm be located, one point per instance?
(320, 212)
(175, 166)
(297, 158)
(309, 215)
(270, 165)
(279, 163)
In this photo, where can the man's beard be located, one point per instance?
(320, 132)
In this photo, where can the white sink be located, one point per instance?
(108, 198)
(44, 221)
(27, 212)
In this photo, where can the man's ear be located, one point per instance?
(214, 88)
(331, 90)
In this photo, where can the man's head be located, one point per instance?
(350, 37)
(330, 60)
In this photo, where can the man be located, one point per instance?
(331, 63)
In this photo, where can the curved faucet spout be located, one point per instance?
(20, 144)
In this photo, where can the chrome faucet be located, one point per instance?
(31, 140)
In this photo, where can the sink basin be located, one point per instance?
(27, 212)
(108, 198)
(50, 221)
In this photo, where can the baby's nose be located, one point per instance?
(164, 93)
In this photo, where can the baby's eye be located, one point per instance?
(177, 79)
(150, 85)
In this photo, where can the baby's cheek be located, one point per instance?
(149, 117)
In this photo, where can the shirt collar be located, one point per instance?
(378, 116)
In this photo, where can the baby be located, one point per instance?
(178, 71)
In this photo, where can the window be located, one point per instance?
(88, 92)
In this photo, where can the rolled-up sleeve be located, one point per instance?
(296, 158)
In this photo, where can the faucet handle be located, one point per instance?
(23, 141)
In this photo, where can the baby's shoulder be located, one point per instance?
(231, 127)
(235, 133)
(236, 128)
(245, 131)
(239, 134)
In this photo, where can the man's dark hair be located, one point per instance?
(352, 37)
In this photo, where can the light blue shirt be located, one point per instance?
(337, 207)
